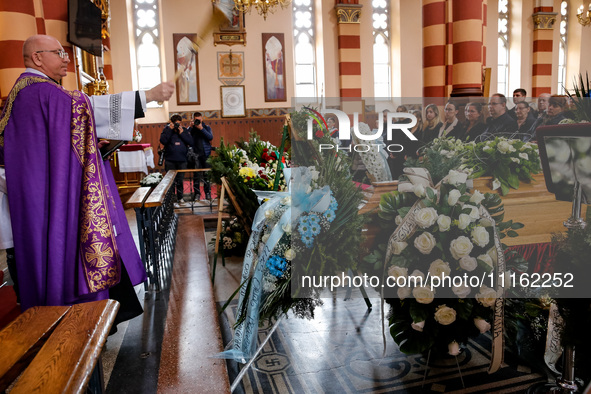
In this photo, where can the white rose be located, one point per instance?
(398, 220)
(286, 227)
(426, 217)
(453, 349)
(314, 173)
(488, 148)
(455, 178)
(286, 200)
(418, 326)
(439, 268)
(524, 156)
(496, 184)
(416, 274)
(290, 254)
(265, 238)
(474, 214)
(423, 294)
(425, 243)
(486, 258)
(445, 315)
(396, 271)
(444, 222)
(399, 247)
(464, 221)
(403, 292)
(460, 247)
(461, 291)
(419, 190)
(503, 147)
(487, 296)
(477, 197)
(480, 236)
(453, 197)
(268, 214)
(515, 160)
(482, 325)
(468, 263)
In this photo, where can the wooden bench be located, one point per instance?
(55, 349)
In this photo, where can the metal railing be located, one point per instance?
(157, 226)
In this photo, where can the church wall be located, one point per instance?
(183, 16)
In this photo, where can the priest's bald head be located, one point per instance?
(46, 54)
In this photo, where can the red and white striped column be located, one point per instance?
(18, 21)
(434, 48)
(22, 19)
(466, 64)
(349, 47)
(544, 19)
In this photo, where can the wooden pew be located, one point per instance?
(54, 348)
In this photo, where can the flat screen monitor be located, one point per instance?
(84, 26)
(565, 152)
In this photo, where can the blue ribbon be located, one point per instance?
(243, 346)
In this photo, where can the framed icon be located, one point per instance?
(233, 103)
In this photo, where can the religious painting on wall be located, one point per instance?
(233, 103)
(231, 67)
(231, 31)
(186, 69)
(274, 66)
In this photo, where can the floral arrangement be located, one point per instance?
(259, 164)
(249, 165)
(507, 161)
(296, 234)
(233, 238)
(152, 179)
(439, 157)
(137, 136)
(441, 233)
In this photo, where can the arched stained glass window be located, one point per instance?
(147, 44)
(305, 59)
(381, 48)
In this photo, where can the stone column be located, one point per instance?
(467, 29)
(434, 48)
(349, 46)
(24, 18)
(544, 19)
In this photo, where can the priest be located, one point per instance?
(71, 238)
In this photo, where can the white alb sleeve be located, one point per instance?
(114, 115)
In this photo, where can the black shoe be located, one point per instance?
(207, 196)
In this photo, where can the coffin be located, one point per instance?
(531, 205)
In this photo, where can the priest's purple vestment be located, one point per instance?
(71, 235)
